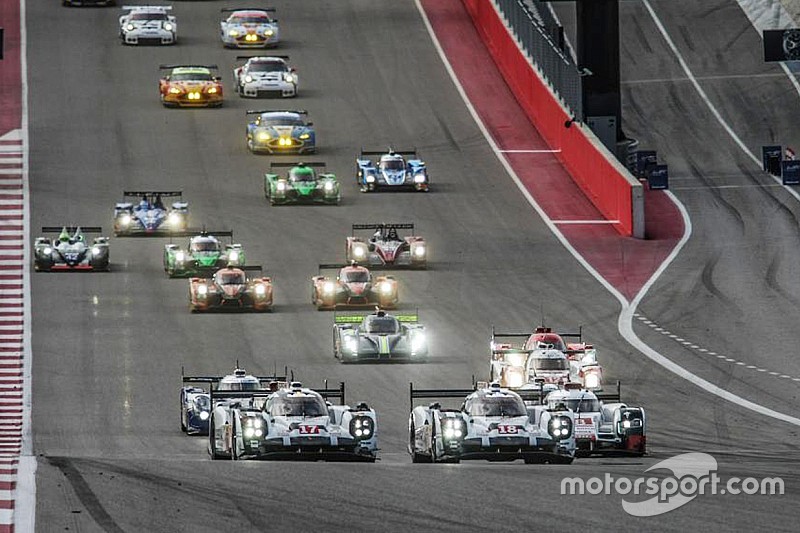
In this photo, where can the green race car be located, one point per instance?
(204, 255)
(302, 185)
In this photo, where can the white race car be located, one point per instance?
(291, 423)
(602, 427)
(493, 424)
(148, 25)
(249, 28)
(265, 76)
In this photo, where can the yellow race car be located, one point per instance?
(190, 86)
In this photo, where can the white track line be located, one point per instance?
(625, 321)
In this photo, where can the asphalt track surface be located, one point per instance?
(108, 348)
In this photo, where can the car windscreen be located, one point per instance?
(148, 16)
(298, 406)
(191, 76)
(205, 246)
(202, 403)
(550, 364)
(496, 406)
(392, 164)
(240, 385)
(383, 324)
(266, 66)
(305, 174)
(249, 19)
(231, 278)
(548, 342)
(585, 405)
(355, 276)
(281, 121)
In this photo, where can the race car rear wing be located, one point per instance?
(290, 164)
(517, 335)
(262, 56)
(169, 67)
(328, 394)
(214, 380)
(389, 151)
(231, 9)
(257, 112)
(387, 226)
(201, 232)
(415, 394)
(162, 8)
(72, 229)
(164, 194)
(357, 318)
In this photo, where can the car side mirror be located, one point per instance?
(217, 78)
(309, 124)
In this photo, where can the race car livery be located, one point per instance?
(190, 86)
(301, 185)
(196, 401)
(543, 357)
(354, 286)
(291, 423)
(204, 255)
(249, 28)
(265, 77)
(378, 337)
(70, 250)
(280, 132)
(385, 248)
(603, 425)
(148, 25)
(149, 217)
(493, 423)
(391, 171)
(231, 288)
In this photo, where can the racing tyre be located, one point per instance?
(416, 457)
(212, 445)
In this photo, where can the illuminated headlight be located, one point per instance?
(174, 90)
(212, 90)
(233, 256)
(362, 427)
(560, 427)
(203, 415)
(626, 424)
(304, 136)
(289, 78)
(130, 27)
(328, 186)
(358, 252)
(515, 359)
(419, 178)
(248, 78)
(591, 380)
(281, 186)
(268, 32)
(125, 219)
(514, 377)
(263, 136)
(370, 179)
(168, 26)
(328, 287)
(261, 290)
(419, 251)
(453, 429)
(284, 141)
(96, 250)
(386, 288)
(47, 250)
(259, 432)
(233, 33)
(180, 257)
(202, 290)
(418, 342)
(174, 219)
(249, 432)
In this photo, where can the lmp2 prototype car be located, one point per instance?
(379, 337)
(264, 77)
(603, 425)
(291, 423)
(354, 286)
(301, 185)
(190, 86)
(249, 28)
(493, 423)
(70, 251)
(280, 132)
(391, 171)
(205, 254)
(149, 217)
(148, 25)
(385, 248)
(196, 401)
(543, 357)
(231, 289)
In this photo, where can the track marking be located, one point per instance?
(574, 222)
(702, 78)
(530, 151)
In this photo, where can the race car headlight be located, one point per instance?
(248, 78)
(249, 432)
(328, 186)
(261, 290)
(359, 252)
(281, 186)
(268, 32)
(420, 178)
(626, 424)
(560, 427)
(168, 26)
(233, 256)
(174, 90)
(202, 290)
(289, 78)
(328, 287)
(47, 250)
(386, 288)
(125, 219)
(515, 377)
(419, 251)
(130, 27)
(304, 136)
(263, 136)
(233, 33)
(453, 429)
(591, 380)
(174, 219)
(180, 257)
(362, 427)
(212, 90)
(370, 179)
(418, 342)
(96, 250)
(203, 415)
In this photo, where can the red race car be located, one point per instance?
(354, 286)
(190, 86)
(231, 289)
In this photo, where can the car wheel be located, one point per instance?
(416, 457)
(183, 424)
(212, 444)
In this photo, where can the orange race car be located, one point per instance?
(231, 288)
(190, 86)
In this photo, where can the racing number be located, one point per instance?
(309, 430)
(504, 429)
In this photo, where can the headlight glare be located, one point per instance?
(386, 288)
(203, 415)
(233, 256)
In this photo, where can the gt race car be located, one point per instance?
(70, 251)
(543, 356)
(294, 422)
(196, 401)
(265, 77)
(391, 171)
(190, 86)
(280, 132)
(249, 28)
(301, 185)
(149, 217)
(603, 424)
(354, 286)
(230, 288)
(379, 337)
(493, 423)
(148, 25)
(205, 254)
(385, 248)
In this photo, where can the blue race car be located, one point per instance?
(280, 132)
(391, 171)
(149, 216)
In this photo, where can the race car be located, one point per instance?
(264, 77)
(354, 286)
(280, 132)
(196, 401)
(70, 250)
(249, 28)
(302, 185)
(391, 171)
(72, 3)
(378, 337)
(385, 248)
(543, 357)
(190, 86)
(231, 289)
(493, 423)
(603, 424)
(294, 422)
(204, 255)
(148, 25)
(149, 217)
